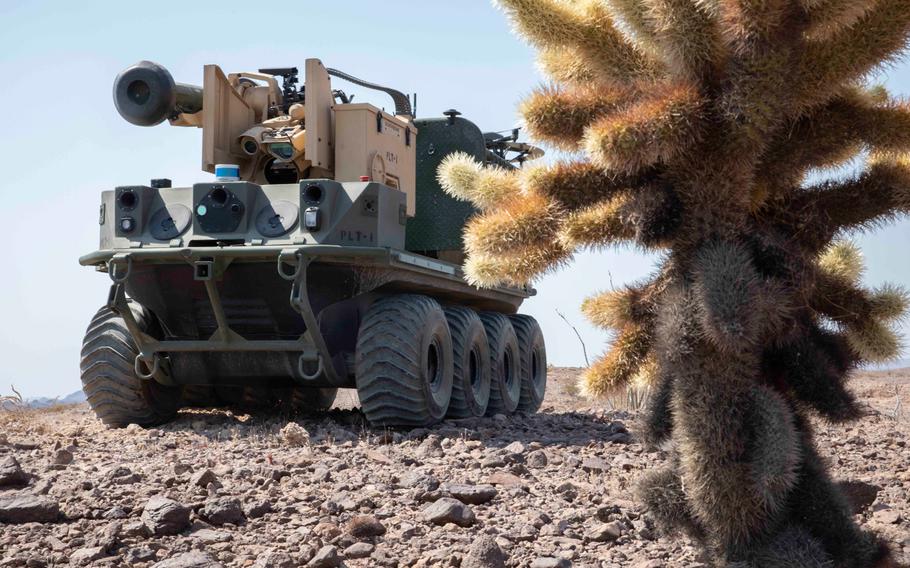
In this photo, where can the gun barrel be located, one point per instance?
(145, 94)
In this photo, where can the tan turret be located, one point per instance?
(275, 134)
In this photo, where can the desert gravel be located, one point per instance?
(221, 488)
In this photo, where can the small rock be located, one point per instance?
(122, 476)
(526, 533)
(556, 529)
(470, 494)
(109, 539)
(378, 457)
(505, 479)
(28, 509)
(326, 557)
(274, 559)
(606, 513)
(387, 559)
(257, 509)
(139, 554)
(519, 469)
(136, 529)
(44, 486)
(860, 495)
(359, 550)
(492, 462)
(643, 530)
(56, 544)
(85, 556)
(328, 531)
(447, 510)
(295, 435)
(181, 468)
(594, 465)
(223, 510)
(407, 531)
(11, 473)
(203, 477)
(365, 526)
(419, 480)
(209, 536)
(515, 448)
(484, 553)
(63, 457)
(537, 459)
(163, 516)
(431, 447)
(115, 512)
(624, 463)
(887, 516)
(568, 490)
(605, 533)
(189, 560)
(550, 562)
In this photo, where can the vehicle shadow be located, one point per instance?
(340, 425)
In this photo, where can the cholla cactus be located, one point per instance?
(695, 124)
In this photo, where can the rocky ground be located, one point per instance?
(216, 488)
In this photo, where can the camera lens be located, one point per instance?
(219, 196)
(128, 200)
(312, 194)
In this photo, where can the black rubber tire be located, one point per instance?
(116, 395)
(505, 384)
(403, 362)
(471, 356)
(533, 354)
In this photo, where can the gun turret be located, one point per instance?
(289, 93)
(280, 134)
(145, 94)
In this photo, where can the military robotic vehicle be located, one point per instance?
(323, 255)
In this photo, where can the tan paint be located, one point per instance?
(358, 141)
(341, 142)
(184, 119)
(318, 105)
(225, 117)
(260, 98)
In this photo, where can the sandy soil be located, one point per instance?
(329, 491)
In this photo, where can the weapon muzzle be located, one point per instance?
(145, 94)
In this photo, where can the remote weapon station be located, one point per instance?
(323, 255)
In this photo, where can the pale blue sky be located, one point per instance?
(63, 143)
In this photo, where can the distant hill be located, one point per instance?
(43, 402)
(77, 397)
(900, 364)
